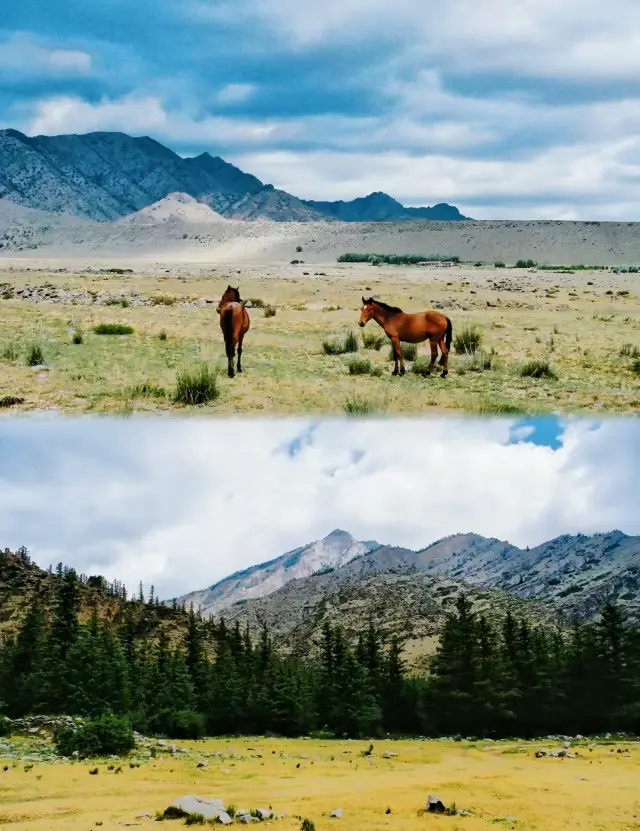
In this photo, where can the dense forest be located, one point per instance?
(509, 679)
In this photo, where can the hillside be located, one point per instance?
(105, 176)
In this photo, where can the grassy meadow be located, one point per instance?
(540, 341)
(501, 784)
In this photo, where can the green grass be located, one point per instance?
(468, 340)
(537, 368)
(421, 367)
(340, 345)
(371, 340)
(35, 355)
(10, 401)
(360, 366)
(147, 390)
(77, 338)
(479, 361)
(356, 405)
(196, 386)
(10, 352)
(628, 350)
(113, 329)
(409, 352)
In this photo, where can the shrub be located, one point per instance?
(397, 259)
(421, 367)
(351, 342)
(307, 825)
(371, 340)
(77, 337)
(147, 390)
(113, 329)
(498, 264)
(629, 351)
(4, 726)
(340, 345)
(35, 355)
(468, 340)
(10, 401)
(526, 264)
(269, 311)
(409, 351)
(10, 352)
(360, 366)
(197, 386)
(162, 335)
(479, 361)
(256, 302)
(177, 724)
(537, 369)
(357, 405)
(635, 366)
(103, 736)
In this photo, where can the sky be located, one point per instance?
(509, 109)
(182, 503)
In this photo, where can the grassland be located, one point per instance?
(584, 325)
(502, 784)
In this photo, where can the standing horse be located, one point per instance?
(411, 328)
(234, 322)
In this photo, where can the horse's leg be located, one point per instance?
(434, 354)
(230, 356)
(444, 359)
(397, 354)
(240, 351)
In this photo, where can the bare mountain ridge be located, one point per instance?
(105, 176)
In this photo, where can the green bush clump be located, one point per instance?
(104, 736)
(397, 259)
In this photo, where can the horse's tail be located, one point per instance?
(226, 324)
(448, 335)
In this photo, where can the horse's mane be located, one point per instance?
(385, 305)
(235, 292)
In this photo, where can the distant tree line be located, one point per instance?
(205, 677)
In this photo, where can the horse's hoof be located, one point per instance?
(231, 374)
(444, 374)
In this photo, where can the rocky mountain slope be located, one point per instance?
(408, 592)
(333, 552)
(104, 176)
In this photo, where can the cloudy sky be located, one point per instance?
(183, 503)
(525, 109)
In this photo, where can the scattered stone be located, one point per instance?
(435, 805)
(202, 764)
(208, 808)
(337, 813)
(264, 813)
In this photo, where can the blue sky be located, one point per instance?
(508, 110)
(181, 503)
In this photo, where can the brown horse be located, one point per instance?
(411, 328)
(234, 322)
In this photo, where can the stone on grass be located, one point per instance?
(435, 805)
(337, 813)
(208, 808)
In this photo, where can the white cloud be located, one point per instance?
(21, 55)
(183, 503)
(236, 93)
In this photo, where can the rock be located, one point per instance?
(202, 764)
(388, 755)
(463, 813)
(541, 753)
(435, 805)
(224, 818)
(337, 813)
(208, 808)
(264, 813)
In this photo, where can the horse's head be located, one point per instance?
(367, 311)
(230, 295)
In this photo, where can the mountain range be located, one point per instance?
(105, 176)
(408, 592)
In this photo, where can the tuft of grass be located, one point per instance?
(163, 300)
(10, 401)
(351, 342)
(113, 329)
(357, 405)
(196, 386)
(493, 406)
(479, 361)
(371, 340)
(307, 825)
(360, 366)
(537, 368)
(77, 337)
(421, 367)
(269, 311)
(35, 355)
(10, 352)
(409, 351)
(526, 264)
(195, 819)
(162, 335)
(468, 340)
(340, 345)
(635, 366)
(147, 390)
(628, 350)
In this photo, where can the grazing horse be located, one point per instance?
(411, 328)
(234, 322)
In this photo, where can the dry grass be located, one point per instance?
(493, 781)
(579, 323)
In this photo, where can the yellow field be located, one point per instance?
(585, 325)
(502, 784)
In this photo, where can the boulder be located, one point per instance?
(208, 808)
(337, 813)
(435, 805)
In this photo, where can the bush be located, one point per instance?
(35, 355)
(269, 311)
(198, 386)
(77, 337)
(628, 350)
(479, 361)
(113, 329)
(421, 367)
(468, 340)
(104, 736)
(356, 405)
(4, 726)
(339, 346)
(498, 264)
(397, 259)
(409, 352)
(371, 340)
(177, 724)
(537, 369)
(526, 264)
(360, 366)
(351, 342)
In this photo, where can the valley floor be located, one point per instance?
(499, 783)
(584, 325)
